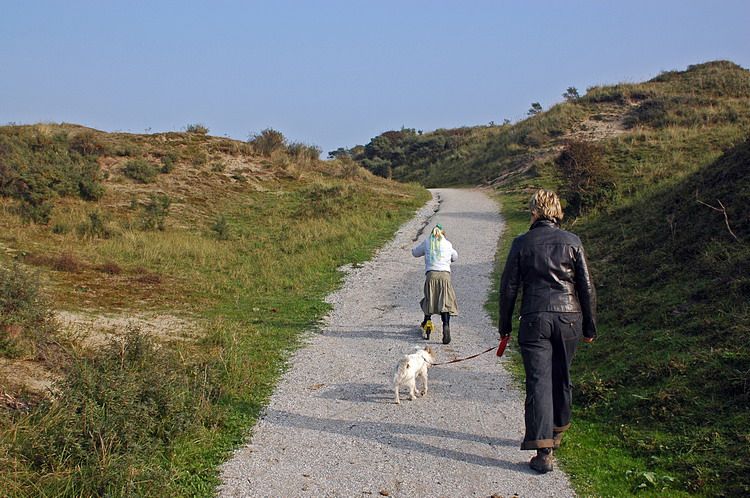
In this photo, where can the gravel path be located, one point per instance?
(331, 427)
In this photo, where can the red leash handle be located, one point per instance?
(503, 344)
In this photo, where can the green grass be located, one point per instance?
(702, 110)
(661, 398)
(156, 416)
(672, 367)
(258, 293)
(513, 207)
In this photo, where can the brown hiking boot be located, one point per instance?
(542, 462)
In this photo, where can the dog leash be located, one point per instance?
(500, 349)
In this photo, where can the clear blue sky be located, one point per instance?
(337, 73)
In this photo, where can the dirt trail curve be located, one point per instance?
(331, 427)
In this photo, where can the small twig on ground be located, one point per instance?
(723, 210)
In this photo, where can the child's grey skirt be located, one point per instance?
(439, 296)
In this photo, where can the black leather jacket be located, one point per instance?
(550, 264)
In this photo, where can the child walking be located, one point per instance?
(439, 296)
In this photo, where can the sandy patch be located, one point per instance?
(93, 330)
(23, 375)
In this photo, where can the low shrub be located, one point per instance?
(348, 168)
(267, 141)
(148, 278)
(96, 226)
(198, 128)
(168, 161)
(66, 262)
(378, 166)
(304, 152)
(60, 228)
(39, 164)
(220, 228)
(25, 316)
(140, 170)
(87, 143)
(110, 268)
(90, 189)
(38, 212)
(154, 212)
(533, 138)
(196, 155)
(589, 182)
(113, 421)
(128, 150)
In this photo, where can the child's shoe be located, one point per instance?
(426, 330)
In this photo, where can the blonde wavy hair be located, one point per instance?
(546, 205)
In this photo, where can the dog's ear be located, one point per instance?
(429, 350)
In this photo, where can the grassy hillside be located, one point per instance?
(702, 110)
(153, 283)
(671, 373)
(648, 172)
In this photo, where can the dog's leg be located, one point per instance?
(424, 383)
(398, 400)
(413, 388)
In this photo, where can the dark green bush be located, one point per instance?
(140, 170)
(535, 109)
(588, 181)
(571, 94)
(36, 166)
(90, 189)
(378, 166)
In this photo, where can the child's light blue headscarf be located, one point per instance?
(435, 237)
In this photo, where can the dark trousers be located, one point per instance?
(548, 342)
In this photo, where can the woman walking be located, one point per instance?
(439, 296)
(558, 309)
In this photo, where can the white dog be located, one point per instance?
(409, 368)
